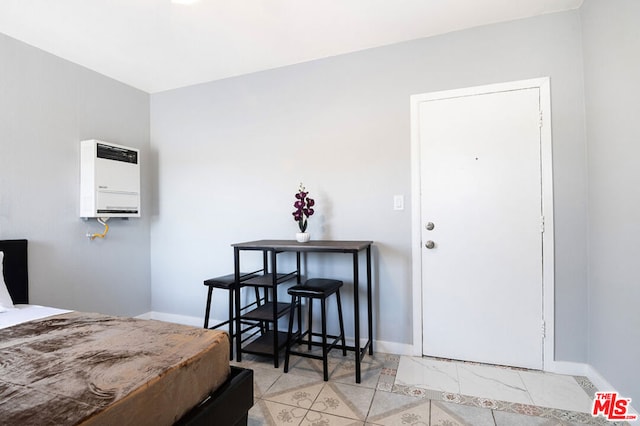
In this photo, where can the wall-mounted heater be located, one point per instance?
(109, 180)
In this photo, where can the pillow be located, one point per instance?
(5, 297)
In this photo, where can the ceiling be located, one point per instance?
(157, 45)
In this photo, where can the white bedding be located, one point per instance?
(24, 313)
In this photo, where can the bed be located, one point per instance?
(66, 367)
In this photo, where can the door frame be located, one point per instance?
(548, 284)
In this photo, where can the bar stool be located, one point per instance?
(228, 283)
(315, 288)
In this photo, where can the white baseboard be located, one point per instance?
(598, 380)
(393, 348)
(568, 368)
(146, 316)
(175, 318)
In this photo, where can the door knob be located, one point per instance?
(430, 244)
(429, 226)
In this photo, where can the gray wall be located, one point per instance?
(47, 105)
(231, 153)
(611, 39)
(227, 157)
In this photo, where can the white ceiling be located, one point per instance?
(157, 45)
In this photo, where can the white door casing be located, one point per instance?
(471, 178)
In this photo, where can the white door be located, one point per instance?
(480, 166)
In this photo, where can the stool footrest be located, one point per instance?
(330, 346)
(218, 325)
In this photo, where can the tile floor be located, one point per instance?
(401, 390)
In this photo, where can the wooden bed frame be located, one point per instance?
(227, 405)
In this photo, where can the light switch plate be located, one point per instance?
(398, 202)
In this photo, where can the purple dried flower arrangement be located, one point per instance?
(304, 208)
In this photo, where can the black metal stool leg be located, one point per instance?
(290, 333)
(299, 305)
(309, 326)
(231, 321)
(325, 366)
(344, 344)
(206, 312)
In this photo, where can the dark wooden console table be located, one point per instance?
(274, 310)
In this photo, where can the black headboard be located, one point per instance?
(15, 269)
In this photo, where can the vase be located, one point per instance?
(303, 237)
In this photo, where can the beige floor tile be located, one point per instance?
(313, 367)
(395, 409)
(298, 391)
(370, 370)
(315, 418)
(263, 379)
(513, 419)
(344, 400)
(448, 414)
(268, 413)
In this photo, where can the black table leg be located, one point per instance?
(369, 300)
(274, 289)
(356, 319)
(236, 268)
